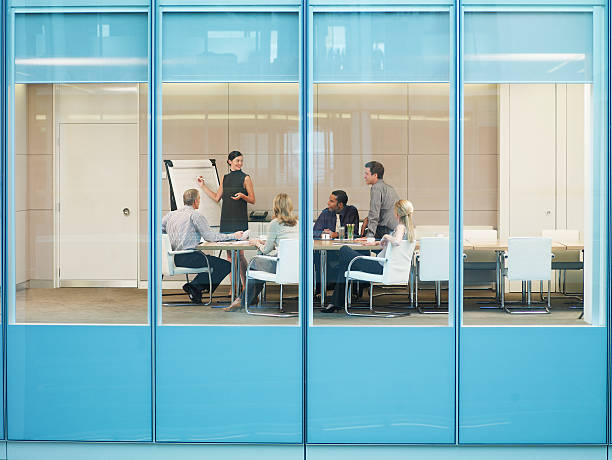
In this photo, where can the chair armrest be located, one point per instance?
(185, 251)
(377, 259)
(261, 256)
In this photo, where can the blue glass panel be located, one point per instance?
(533, 385)
(528, 47)
(79, 383)
(229, 384)
(382, 385)
(80, 47)
(230, 47)
(375, 47)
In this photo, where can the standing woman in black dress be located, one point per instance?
(236, 190)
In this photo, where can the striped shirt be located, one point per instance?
(186, 227)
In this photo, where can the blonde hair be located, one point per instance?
(283, 210)
(404, 210)
(190, 196)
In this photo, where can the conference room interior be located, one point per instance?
(525, 155)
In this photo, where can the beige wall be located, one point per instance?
(406, 127)
(34, 182)
(208, 120)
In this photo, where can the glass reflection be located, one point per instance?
(81, 203)
(514, 133)
(252, 189)
(397, 133)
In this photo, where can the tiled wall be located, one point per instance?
(406, 127)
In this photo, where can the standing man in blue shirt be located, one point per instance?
(337, 205)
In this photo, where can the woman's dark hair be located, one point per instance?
(233, 155)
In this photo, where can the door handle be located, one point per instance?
(126, 211)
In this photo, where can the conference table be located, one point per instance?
(323, 246)
(499, 246)
(234, 248)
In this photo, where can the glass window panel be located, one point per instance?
(381, 47)
(531, 158)
(100, 47)
(81, 203)
(230, 47)
(528, 47)
(205, 121)
(381, 94)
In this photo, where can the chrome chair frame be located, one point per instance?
(282, 313)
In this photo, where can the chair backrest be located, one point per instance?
(167, 258)
(434, 259)
(529, 258)
(288, 266)
(399, 263)
(477, 234)
(562, 235)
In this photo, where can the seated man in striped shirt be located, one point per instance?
(186, 227)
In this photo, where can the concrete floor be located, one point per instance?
(129, 306)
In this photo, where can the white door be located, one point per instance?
(532, 159)
(98, 204)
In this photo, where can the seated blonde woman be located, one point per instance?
(283, 226)
(403, 211)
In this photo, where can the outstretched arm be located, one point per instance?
(212, 195)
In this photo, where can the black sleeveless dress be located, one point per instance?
(233, 212)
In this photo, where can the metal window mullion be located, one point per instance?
(154, 182)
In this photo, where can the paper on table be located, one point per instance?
(245, 235)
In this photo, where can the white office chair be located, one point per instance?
(397, 266)
(433, 265)
(287, 272)
(528, 259)
(479, 266)
(566, 260)
(169, 269)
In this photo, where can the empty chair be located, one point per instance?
(433, 265)
(528, 259)
(170, 269)
(566, 260)
(481, 267)
(397, 266)
(287, 271)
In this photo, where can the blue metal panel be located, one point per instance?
(381, 385)
(228, 3)
(80, 47)
(382, 4)
(391, 46)
(528, 47)
(213, 46)
(229, 384)
(453, 452)
(556, 4)
(97, 4)
(79, 383)
(137, 451)
(521, 385)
